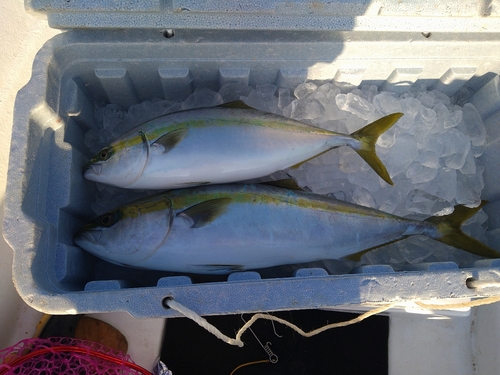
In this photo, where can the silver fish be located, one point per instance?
(220, 229)
(223, 144)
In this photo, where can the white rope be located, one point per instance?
(358, 319)
(460, 305)
(237, 341)
(202, 322)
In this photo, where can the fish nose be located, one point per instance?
(92, 169)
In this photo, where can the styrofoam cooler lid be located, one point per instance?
(387, 15)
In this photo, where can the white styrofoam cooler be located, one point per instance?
(121, 54)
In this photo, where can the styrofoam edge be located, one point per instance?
(21, 232)
(403, 23)
(314, 292)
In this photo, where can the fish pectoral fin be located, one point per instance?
(240, 104)
(171, 139)
(205, 212)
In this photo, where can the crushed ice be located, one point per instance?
(431, 153)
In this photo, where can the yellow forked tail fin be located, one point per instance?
(449, 231)
(368, 137)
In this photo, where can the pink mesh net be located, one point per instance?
(62, 355)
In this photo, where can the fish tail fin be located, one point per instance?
(367, 138)
(449, 232)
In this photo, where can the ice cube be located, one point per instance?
(362, 197)
(266, 91)
(326, 94)
(365, 178)
(289, 109)
(456, 148)
(112, 115)
(427, 116)
(440, 97)
(442, 112)
(453, 119)
(421, 202)
(160, 107)
(369, 92)
(414, 250)
(341, 100)
(474, 124)
(401, 154)
(424, 128)
(356, 105)
(284, 98)
(350, 161)
(353, 123)
(232, 91)
(445, 184)
(435, 144)
(272, 105)
(396, 200)
(477, 151)
(387, 103)
(304, 109)
(202, 97)
(410, 107)
(428, 159)
(454, 142)
(314, 109)
(457, 160)
(256, 100)
(304, 89)
(137, 113)
(387, 138)
(388, 254)
(469, 187)
(427, 99)
(469, 166)
(419, 173)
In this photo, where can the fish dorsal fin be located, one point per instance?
(171, 139)
(240, 104)
(205, 212)
(288, 183)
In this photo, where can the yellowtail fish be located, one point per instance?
(219, 229)
(223, 144)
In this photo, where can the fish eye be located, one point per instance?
(104, 154)
(107, 220)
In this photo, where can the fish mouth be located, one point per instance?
(94, 169)
(87, 237)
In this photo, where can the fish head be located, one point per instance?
(128, 235)
(121, 163)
